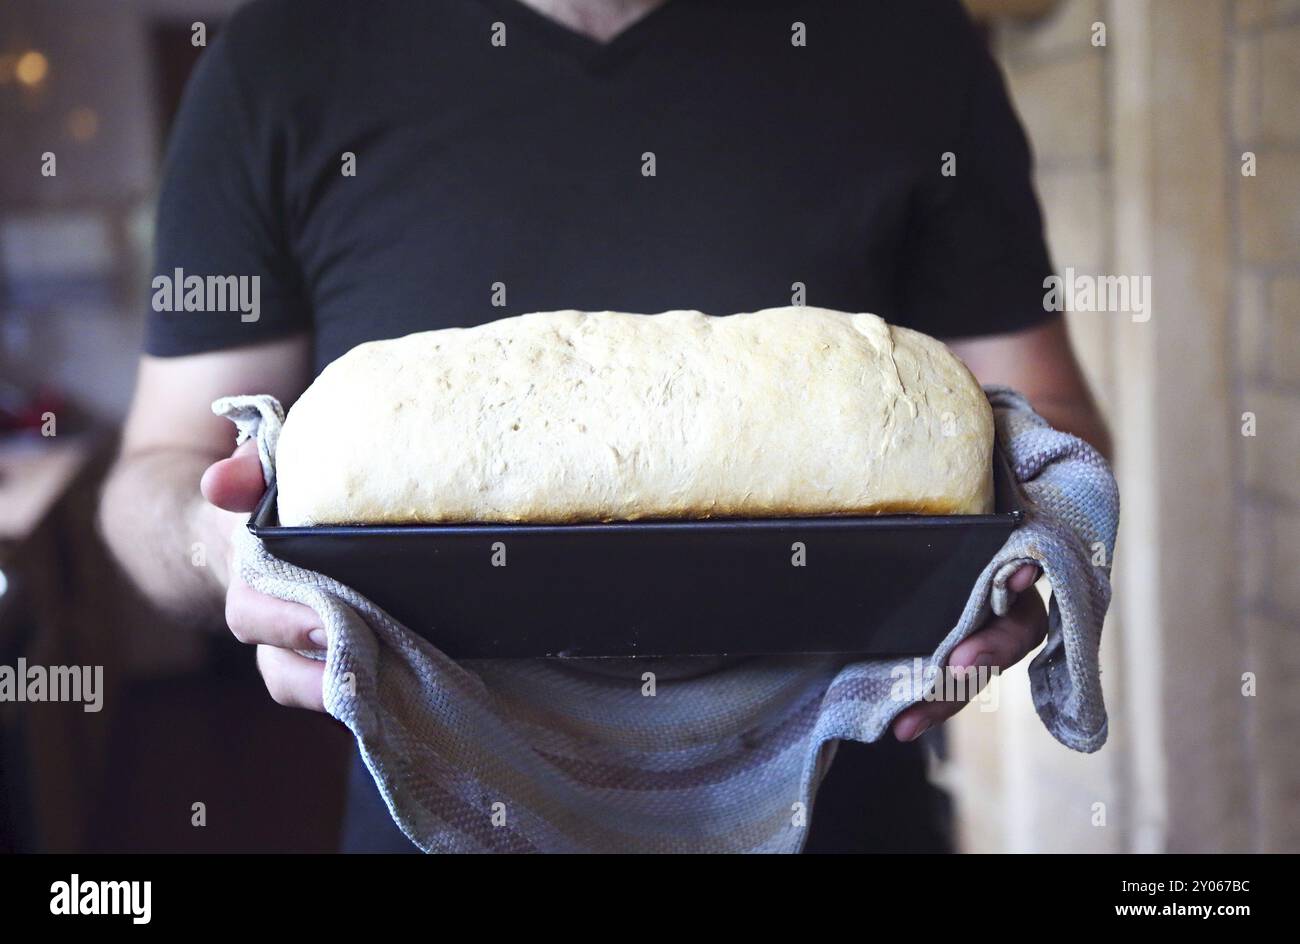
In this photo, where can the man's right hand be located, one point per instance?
(276, 627)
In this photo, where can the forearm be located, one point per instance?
(1079, 417)
(1040, 363)
(173, 544)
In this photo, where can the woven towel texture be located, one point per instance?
(553, 756)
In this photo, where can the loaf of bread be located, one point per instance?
(571, 416)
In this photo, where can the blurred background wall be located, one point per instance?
(87, 90)
(1144, 146)
(185, 719)
(1139, 140)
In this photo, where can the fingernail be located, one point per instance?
(920, 729)
(318, 638)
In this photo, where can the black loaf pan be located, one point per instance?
(874, 586)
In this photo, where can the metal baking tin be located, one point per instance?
(871, 586)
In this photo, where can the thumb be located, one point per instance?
(235, 484)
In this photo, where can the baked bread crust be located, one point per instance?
(571, 416)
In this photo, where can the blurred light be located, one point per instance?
(82, 123)
(32, 67)
(4, 583)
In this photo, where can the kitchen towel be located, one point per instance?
(685, 755)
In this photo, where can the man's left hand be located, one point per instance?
(1000, 643)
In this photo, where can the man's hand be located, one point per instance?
(154, 521)
(1040, 363)
(276, 627)
(1002, 642)
(151, 514)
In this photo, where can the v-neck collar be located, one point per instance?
(592, 54)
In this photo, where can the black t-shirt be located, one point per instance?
(523, 167)
(480, 166)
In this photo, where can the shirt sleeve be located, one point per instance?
(219, 217)
(975, 257)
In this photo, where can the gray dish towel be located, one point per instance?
(715, 756)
